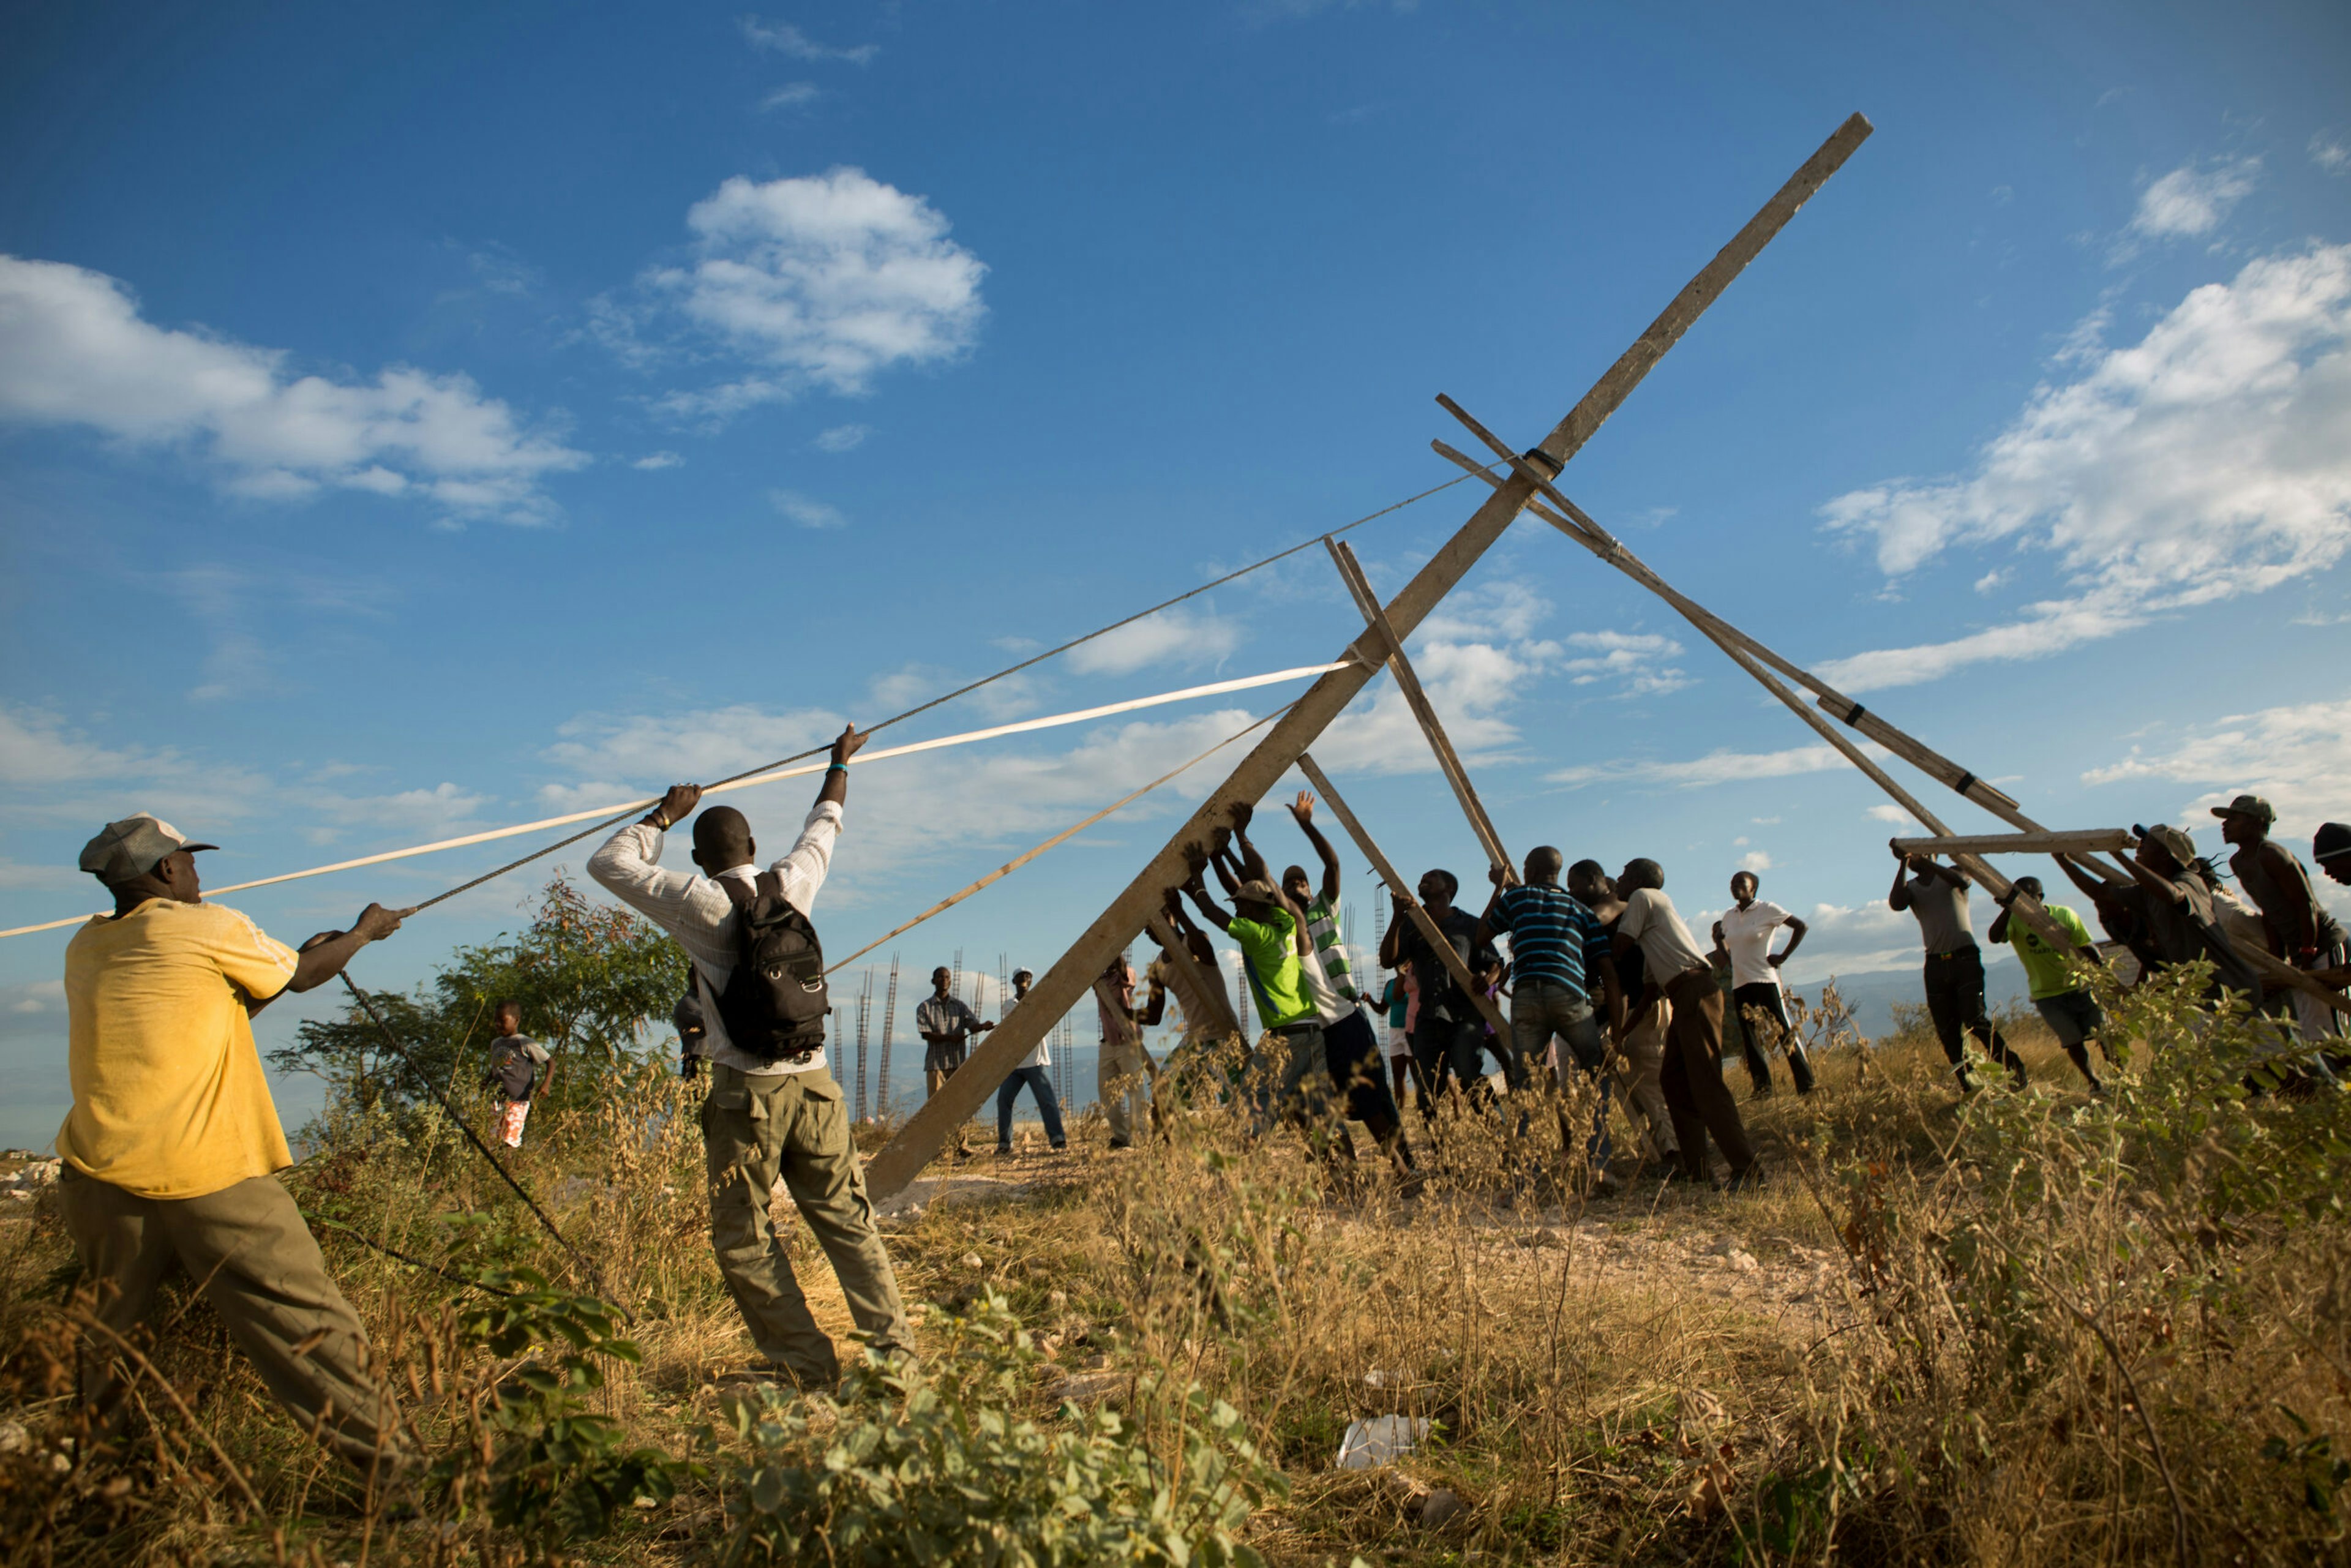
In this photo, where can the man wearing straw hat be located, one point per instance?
(172, 1144)
(765, 1119)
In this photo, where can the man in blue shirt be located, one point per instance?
(1557, 944)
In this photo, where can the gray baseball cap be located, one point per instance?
(2175, 843)
(133, 847)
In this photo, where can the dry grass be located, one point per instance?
(2022, 1330)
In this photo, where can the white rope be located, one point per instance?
(1049, 722)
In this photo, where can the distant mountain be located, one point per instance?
(1872, 994)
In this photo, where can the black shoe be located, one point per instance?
(1746, 1178)
(1121, 1142)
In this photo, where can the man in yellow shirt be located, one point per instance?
(171, 1147)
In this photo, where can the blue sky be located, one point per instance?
(415, 421)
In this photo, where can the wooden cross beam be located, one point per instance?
(1448, 761)
(1059, 988)
(2085, 841)
(1387, 872)
(1723, 635)
(1577, 525)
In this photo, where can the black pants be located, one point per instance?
(1765, 997)
(1443, 1048)
(1955, 1001)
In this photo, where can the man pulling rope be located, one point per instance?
(765, 1117)
(172, 1144)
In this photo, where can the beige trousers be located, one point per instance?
(1121, 1083)
(793, 1125)
(256, 1263)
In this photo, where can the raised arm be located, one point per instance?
(1197, 889)
(2091, 886)
(1303, 811)
(1898, 900)
(1486, 926)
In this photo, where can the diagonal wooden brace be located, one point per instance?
(1396, 884)
(1059, 988)
(2088, 841)
(1577, 524)
(1448, 761)
(1725, 637)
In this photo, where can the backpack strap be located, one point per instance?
(736, 892)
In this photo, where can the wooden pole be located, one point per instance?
(2023, 906)
(1388, 873)
(1448, 761)
(1577, 525)
(1059, 988)
(2087, 840)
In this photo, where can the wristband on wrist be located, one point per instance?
(838, 768)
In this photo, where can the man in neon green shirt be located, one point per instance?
(1270, 933)
(2063, 1003)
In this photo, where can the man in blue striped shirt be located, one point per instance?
(1557, 944)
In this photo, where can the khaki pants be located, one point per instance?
(1692, 1077)
(1121, 1085)
(255, 1260)
(793, 1125)
(1644, 1059)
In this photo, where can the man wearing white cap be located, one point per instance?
(171, 1147)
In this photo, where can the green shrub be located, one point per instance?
(913, 1467)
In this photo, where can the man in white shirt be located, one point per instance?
(1747, 928)
(765, 1118)
(1034, 1072)
(1692, 1077)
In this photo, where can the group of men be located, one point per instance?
(2175, 909)
(171, 1147)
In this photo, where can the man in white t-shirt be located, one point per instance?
(1747, 929)
(1692, 1077)
(1034, 1073)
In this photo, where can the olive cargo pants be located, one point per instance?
(249, 1252)
(793, 1125)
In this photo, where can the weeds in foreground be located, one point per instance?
(2059, 1329)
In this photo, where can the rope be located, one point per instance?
(612, 816)
(366, 1240)
(1008, 867)
(473, 1138)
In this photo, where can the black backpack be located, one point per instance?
(775, 1004)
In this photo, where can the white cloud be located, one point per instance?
(74, 351)
(822, 280)
(37, 996)
(1178, 638)
(1639, 659)
(653, 461)
(785, 39)
(1856, 940)
(1715, 767)
(807, 512)
(2298, 758)
(2190, 201)
(1755, 860)
(792, 95)
(2330, 153)
(1888, 811)
(842, 437)
(2211, 460)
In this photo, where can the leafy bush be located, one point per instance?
(906, 1468)
(540, 1460)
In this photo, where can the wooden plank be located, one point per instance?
(1059, 988)
(1404, 892)
(1448, 761)
(1578, 523)
(2085, 841)
(2278, 971)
